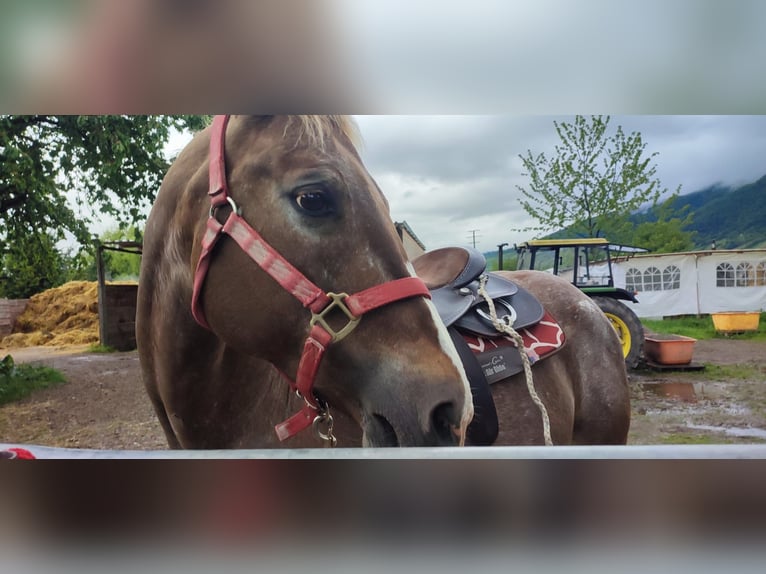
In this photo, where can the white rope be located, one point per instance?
(507, 328)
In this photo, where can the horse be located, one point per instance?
(223, 311)
(577, 390)
(275, 297)
(584, 385)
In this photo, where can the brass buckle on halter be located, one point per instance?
(337, 303)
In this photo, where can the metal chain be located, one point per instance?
(507, 328)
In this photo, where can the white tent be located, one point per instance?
(698, 282)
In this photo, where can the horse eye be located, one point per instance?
(314, 202)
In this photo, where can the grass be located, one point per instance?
(701, 328)
(741, 372)
(98, 348)
(18, 381)
(682, 438)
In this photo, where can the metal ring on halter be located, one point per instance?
(233, 205)
(325, 417)
(509, 319)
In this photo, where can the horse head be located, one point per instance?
(316, 214)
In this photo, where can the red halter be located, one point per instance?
(321, 335)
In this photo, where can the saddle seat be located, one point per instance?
(452, 274)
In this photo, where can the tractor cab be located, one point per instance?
(587, 264)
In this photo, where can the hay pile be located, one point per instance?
(66, 315)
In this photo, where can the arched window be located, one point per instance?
(671, 278)
(652, 279)
(760, 273)
(724, 275)
(745, 275)
(633, 280)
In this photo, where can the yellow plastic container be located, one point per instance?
(736, 322)
(669, 349)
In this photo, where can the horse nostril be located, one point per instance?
(443, 422)
(382, 432)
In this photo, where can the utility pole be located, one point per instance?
(472, 232)
(500, 256)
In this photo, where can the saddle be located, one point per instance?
(453, 275)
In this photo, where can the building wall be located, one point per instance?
(696, 283)
(411, 247)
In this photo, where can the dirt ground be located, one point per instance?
(103, 404)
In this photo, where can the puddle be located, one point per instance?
(685, 391)
(733, 431)
(673, 390)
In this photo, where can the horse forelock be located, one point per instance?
(316, 130)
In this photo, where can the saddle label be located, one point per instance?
(498, 356)
(497, 365)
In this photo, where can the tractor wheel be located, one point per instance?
(628, 327)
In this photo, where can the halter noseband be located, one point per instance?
(321, 335)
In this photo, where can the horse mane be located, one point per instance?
(316, 128)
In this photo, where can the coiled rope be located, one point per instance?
(505, 326)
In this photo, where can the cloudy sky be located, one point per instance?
(449, 175)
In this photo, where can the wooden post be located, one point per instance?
(101, 294)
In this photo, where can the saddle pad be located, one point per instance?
(498, 356)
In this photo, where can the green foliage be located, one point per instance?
(696, 327)
(119, 265)
(55, 171)
(111, 163)
(662, 230)
(30, 264)
(700, 328)
(98, 348)
(732, 217)
(18, 381)
(591, 178)
(686, 438)
(509, 260)
(740, 372)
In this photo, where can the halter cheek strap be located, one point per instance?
(321, 334)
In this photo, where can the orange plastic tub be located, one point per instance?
(736, 322)
(669, 349)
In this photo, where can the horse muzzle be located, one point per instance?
(407, 426)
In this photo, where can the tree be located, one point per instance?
(664, 233)
(30, 264)
(118, 265)
(112, 164)
(592, 178)
(660, 230)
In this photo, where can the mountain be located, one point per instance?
(732, 217)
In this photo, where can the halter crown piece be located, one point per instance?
(315, 299)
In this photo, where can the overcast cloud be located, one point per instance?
(448, 175)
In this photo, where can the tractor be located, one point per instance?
(587, 264)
